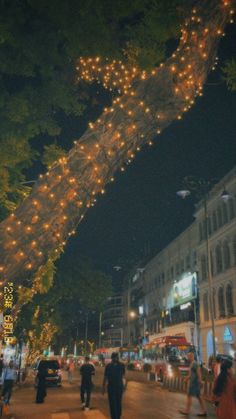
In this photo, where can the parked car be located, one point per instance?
(53, 372)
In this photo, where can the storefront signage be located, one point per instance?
(185, 305)
(228, 337)
(184, 290)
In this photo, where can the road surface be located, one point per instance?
(141, 401)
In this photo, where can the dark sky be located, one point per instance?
(140, 210)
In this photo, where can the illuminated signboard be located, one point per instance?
(228, 335)
(185, 290)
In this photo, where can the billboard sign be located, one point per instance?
(185, 290)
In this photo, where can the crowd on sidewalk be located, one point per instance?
(114, 383)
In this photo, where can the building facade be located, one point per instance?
(112, 322)
(171, 289)
(222, 241)
(170, 294)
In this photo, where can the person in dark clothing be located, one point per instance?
(86, 372)
(1, 365)
(9, 378)
(114, 377)
(41, 388)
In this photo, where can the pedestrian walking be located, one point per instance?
(9, 378)
(114, 376)
(194, 387)
(41, 385)
(217, 367)
(1, 365)
(70, 370)
(224, 393)
(86, 371)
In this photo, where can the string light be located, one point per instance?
(122, 140)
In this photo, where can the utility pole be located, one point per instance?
(209, 277)
(86, 332)
(128, 313)
(100, 330)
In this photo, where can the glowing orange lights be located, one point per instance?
(112, 141)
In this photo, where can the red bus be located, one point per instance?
(167, 354)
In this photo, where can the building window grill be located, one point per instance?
(226, 254)
(221, 302)
(219, 217)
(229, 300)
(231, 209)
(204, 267)
(219, 261)
(214, 219)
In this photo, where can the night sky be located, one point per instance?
(140, 212)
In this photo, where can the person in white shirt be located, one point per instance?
(9, 378)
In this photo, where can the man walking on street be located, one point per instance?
(9, 378)
(1, 365)
(114, 377)
(86, 372)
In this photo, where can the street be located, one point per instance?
(141, 400)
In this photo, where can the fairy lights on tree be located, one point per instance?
(145, 104)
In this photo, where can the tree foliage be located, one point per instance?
(39, 43)
(76, 289)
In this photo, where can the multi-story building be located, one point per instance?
(222, 241)
(112, 322)
(134, 316)
(170, 295)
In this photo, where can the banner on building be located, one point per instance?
(184, 290)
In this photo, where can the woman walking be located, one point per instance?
(41, 387)
(225, 392)
(194, 387)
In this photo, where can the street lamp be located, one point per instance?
(201, 188)
(132, 314)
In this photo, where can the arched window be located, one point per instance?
(214, 220)
(226, 255)
(177, 268)
(231, 209)
(221, 302)
(205, 307)
(204, 267)
(209, 226)
(234, 243)
(200, 231)
(225, 213)
(219, 217)
(229, 300)
(219, 262)
(212, 263)
(188, 264)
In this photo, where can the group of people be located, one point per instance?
(224, 389)
(9, 377)
(113, 381)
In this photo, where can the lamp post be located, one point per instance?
(201, 188)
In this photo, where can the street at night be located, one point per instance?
(117, 209)
(141, 401)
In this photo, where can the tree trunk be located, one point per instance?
(60, 198)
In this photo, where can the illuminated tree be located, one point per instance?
(146, 103)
